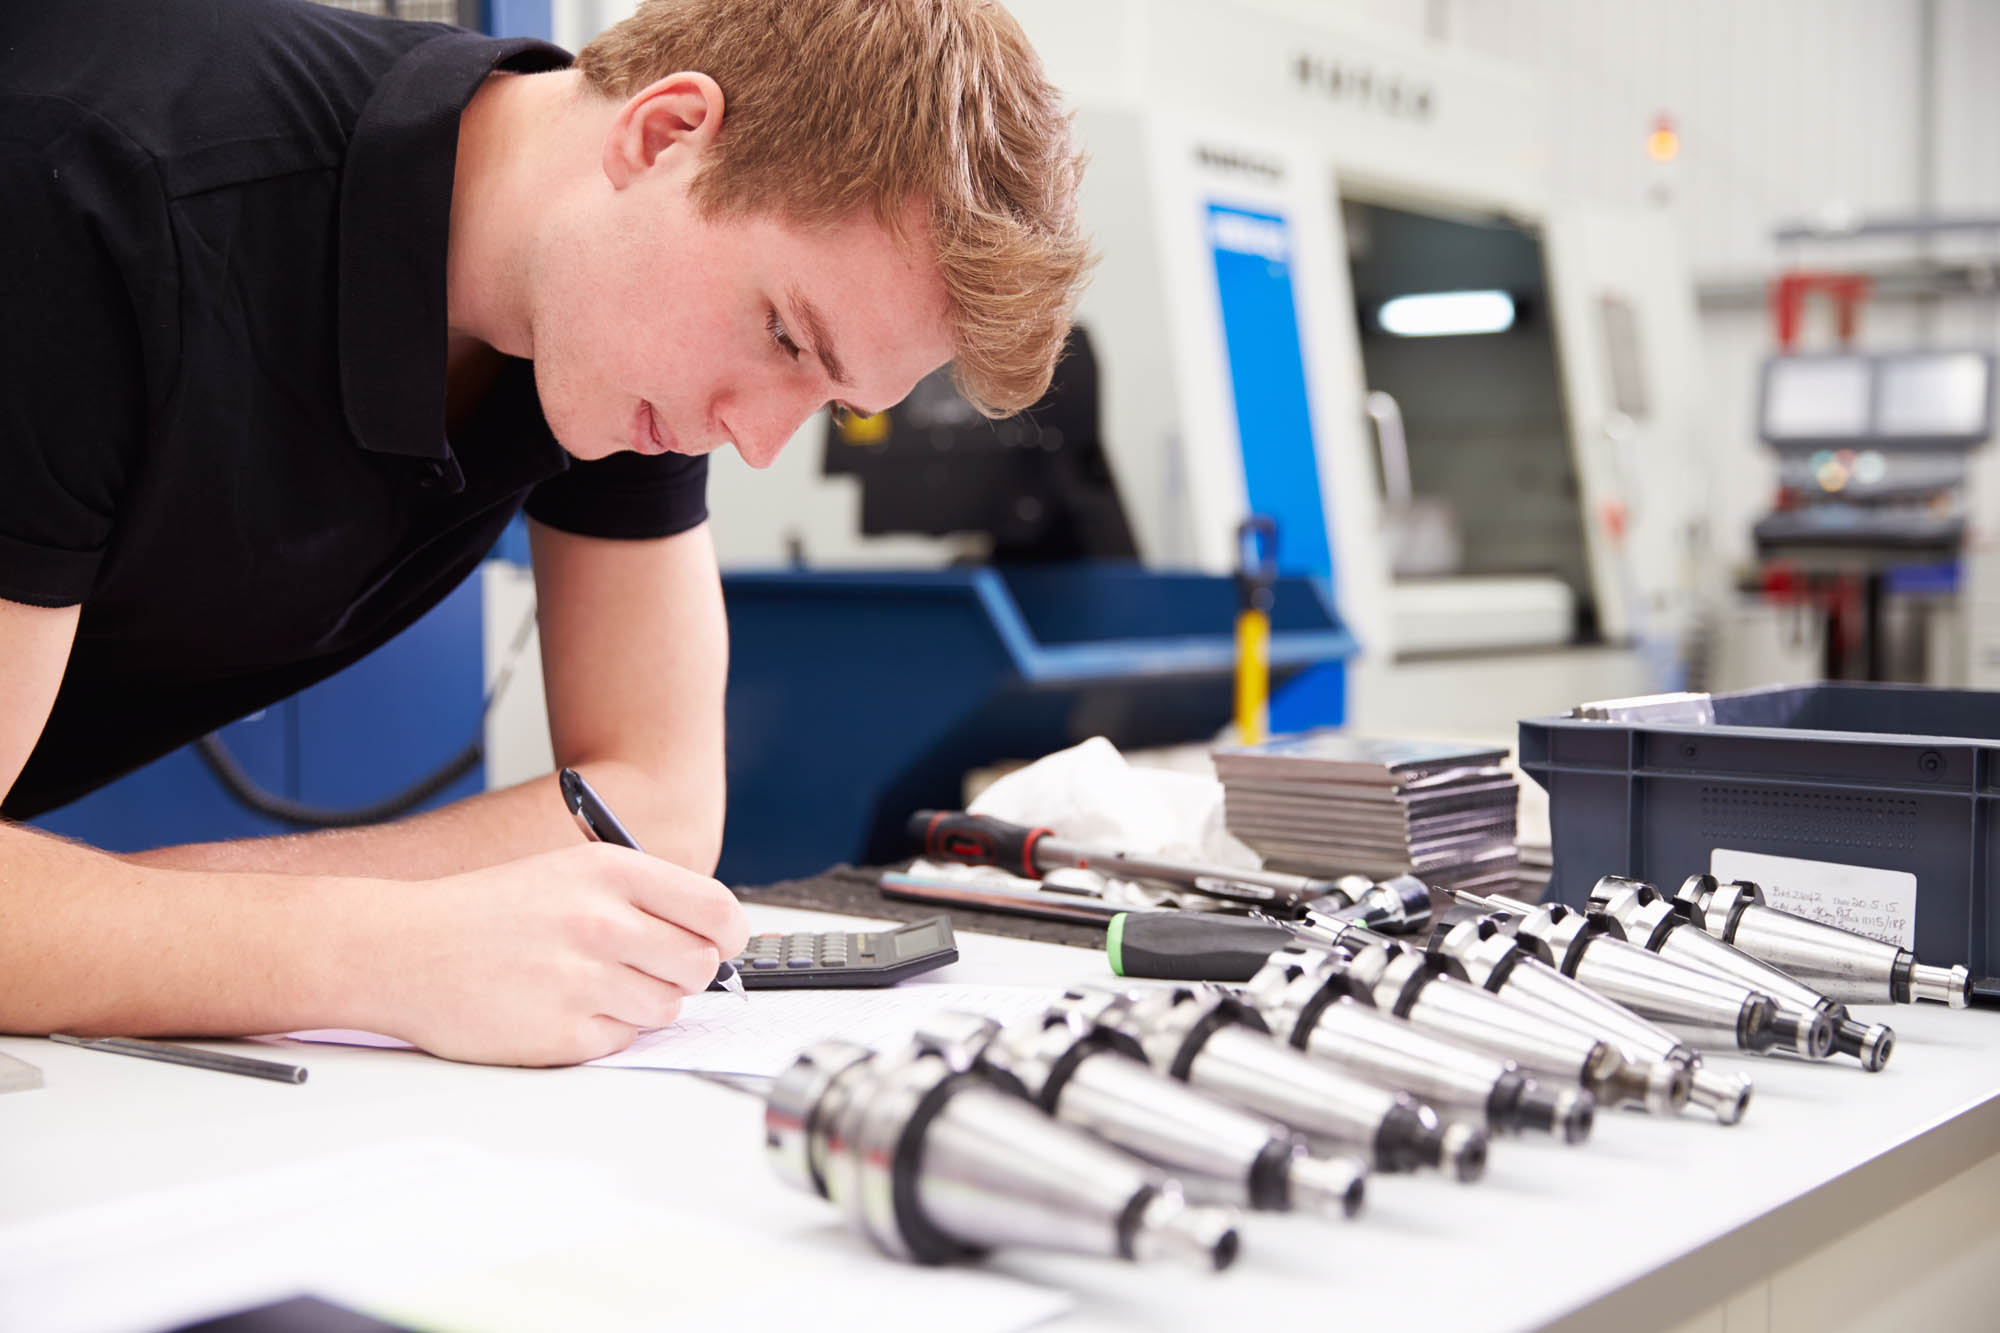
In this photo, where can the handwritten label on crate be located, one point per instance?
(1881, 904)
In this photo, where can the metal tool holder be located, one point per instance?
(1477, 949)
(1401, 982)
(1219, 1045)
(935, 1161)
(1840, 964)
(1661, 926)
(1702, 1008)
(1097, 1080)
(1302, 994)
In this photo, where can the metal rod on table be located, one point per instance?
(192, 1056)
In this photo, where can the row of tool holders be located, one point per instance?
(1135, 1121)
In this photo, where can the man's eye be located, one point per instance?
(781, 338)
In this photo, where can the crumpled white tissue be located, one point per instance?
(1090, 794)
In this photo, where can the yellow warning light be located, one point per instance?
(857, 429)
(1664, 143)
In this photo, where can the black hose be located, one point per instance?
(245, 790)
(240, 785)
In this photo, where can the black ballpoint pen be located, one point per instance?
(602, 826)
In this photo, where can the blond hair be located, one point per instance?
(835, 107)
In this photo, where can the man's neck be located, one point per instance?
(518, 143)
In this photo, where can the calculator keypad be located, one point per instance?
(803, 949)
(829, 958)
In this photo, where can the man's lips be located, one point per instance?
(647, 437)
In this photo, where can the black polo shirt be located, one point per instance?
(223, 227)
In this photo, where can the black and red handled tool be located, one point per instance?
(978, 840)
(981, 840)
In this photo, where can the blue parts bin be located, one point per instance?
(856, 698)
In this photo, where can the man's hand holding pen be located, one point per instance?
(550, 960)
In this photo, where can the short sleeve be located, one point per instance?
(624, 496)
(73, 392)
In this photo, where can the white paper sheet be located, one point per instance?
(720, 1033)
(1089, 793)
(443, 1235)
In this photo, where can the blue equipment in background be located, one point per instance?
(350, 741)
(855, 698)
(1252, 250)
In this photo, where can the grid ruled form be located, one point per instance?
(720, 1033)
(760, 1034)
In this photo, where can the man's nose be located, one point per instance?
(761, 439)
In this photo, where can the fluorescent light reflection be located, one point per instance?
(1442, 314)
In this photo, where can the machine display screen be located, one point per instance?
(1817, 398)
(1884, 400)
(1947, 394)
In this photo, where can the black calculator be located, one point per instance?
(809, 959)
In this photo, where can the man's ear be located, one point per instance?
(681, 113)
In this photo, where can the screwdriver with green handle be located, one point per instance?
(1213, 946)
(981, 840)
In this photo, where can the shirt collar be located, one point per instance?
(395, 227)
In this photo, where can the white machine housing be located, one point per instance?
(1284, 108)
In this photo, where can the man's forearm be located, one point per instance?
(93, 944)
(483, 830)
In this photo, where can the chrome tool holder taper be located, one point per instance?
(935, 1163)
(1842, 965)
(1400, 905)
(1096, 1080)
(1478, 951)
(1219, 1046)
(1662, 926)
(1302, 994)
(1700, 1007)
(1402, 983)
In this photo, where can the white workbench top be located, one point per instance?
(1648, 1223)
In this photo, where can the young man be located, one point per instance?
(302, 307)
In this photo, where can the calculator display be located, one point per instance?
(918, 939)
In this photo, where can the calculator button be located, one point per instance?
(798, 962)
(763, 962)
(832, 960)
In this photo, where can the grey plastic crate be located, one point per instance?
(1897, 777)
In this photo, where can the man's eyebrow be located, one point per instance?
(814, 327)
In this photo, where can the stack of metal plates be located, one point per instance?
(1327, 802)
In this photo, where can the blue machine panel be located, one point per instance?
(855, 698)
(1260, 325)
(1267, 375)
(519, 18)
(351, 740)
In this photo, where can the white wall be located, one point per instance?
(1787, 109)
(1784, 106)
